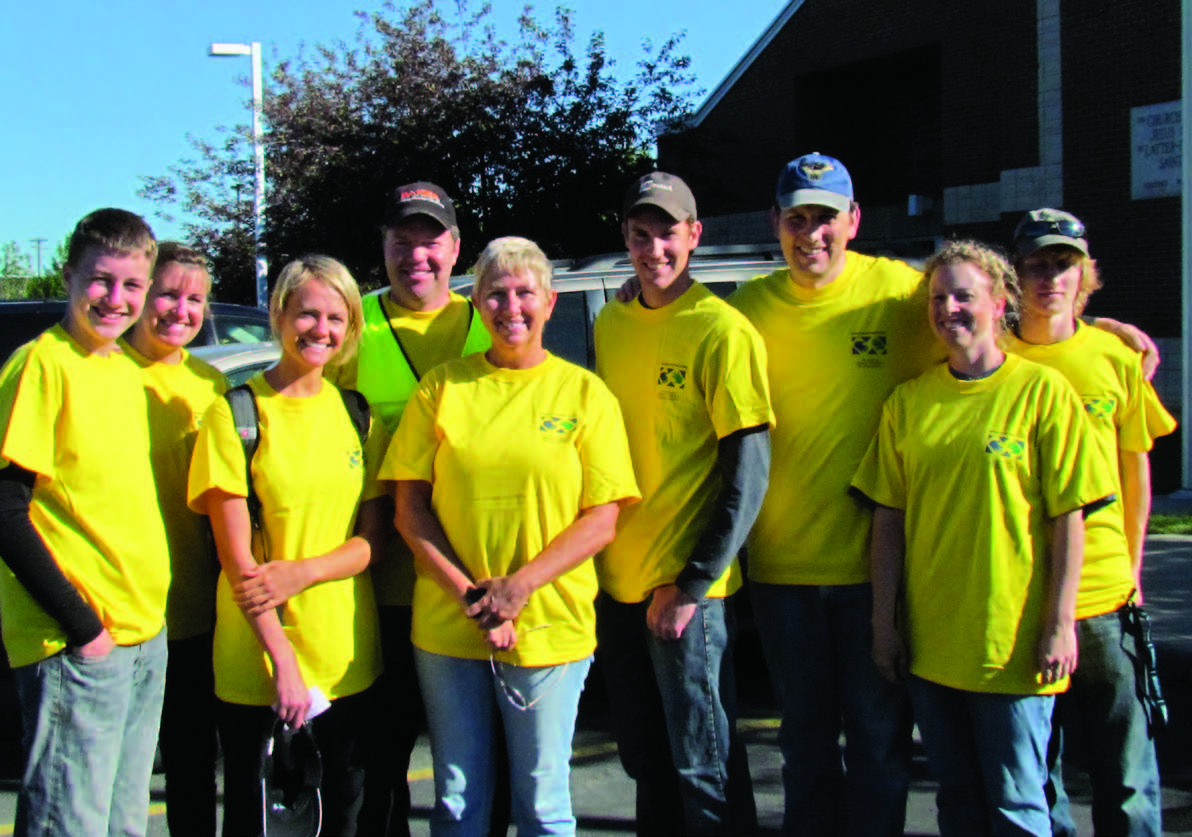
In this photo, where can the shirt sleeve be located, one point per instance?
(604, 451)
(1144, 418)
(881, 476)
(1072, 475)
(30, 561)
(743, 459)
(415, 443)
(30, 395)
(218, 461)
(735, 379)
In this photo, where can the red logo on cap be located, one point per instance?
(421, 194)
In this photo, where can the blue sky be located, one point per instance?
(97, 94)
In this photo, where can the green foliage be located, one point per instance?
(51, 284)
(529, 138)
(15, 270)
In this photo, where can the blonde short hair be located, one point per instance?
(508, 256)
(332, 273)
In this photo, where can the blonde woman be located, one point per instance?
(295, 616)
(180, 388)
(981, 475)
(510, 465)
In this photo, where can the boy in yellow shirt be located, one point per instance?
(690, 373)
(1057, 276)
(83, 589)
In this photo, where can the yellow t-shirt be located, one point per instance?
(79, 422)
(835, 354)
(179, 394)
(1125, 414)
(686, 375)
(980, 468)
(310, 475)
(514, 456)
(428, 338)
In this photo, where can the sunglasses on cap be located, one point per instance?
(1064, 227)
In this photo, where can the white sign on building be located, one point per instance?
(1156, 139)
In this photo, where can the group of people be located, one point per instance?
(916, 487)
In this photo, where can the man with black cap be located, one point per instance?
(410, 327)
(690, 374)
(1057, 275)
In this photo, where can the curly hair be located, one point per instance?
(991, 261)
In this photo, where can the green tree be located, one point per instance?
(15, 270)
(51, 284)
(529, 138)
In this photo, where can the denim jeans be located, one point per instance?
(818, 643)
(189, 745)
(90, 732)
(989, 754)
(537, 707)
(1103, 702)
(344, 735)
(673, 705)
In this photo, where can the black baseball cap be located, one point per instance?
(420, 198)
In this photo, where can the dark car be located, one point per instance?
(21, 321)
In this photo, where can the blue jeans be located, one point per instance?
(989, 754)
(537, 708)
(818, 643)
(1121, 753)
(90, 732)
(674, 711)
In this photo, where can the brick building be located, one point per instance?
(954, 119)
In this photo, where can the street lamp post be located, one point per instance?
(258, 147)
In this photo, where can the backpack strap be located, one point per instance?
(247, 420)
(358, 411)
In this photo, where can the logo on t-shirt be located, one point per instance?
(556, 426)
(1099, 406)
(671, 376)
(1005, 446)
(355, 458)
(869, 348)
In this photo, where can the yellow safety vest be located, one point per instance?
(384, 372)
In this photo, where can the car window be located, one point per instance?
(232, 328)
(566, 334)
(235, 377)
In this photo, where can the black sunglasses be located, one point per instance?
(1037, 229)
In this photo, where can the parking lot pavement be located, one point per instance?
(604, 798)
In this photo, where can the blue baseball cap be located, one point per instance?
(816, 179)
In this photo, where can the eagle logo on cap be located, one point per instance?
(815, 169)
